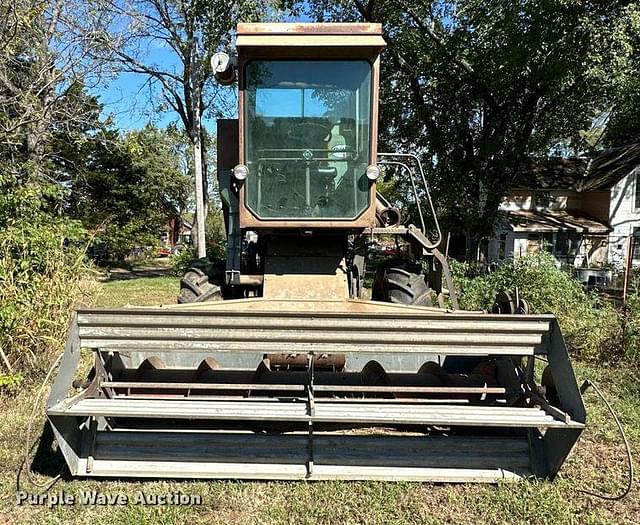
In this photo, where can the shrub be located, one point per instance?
(216, 242)
(182, 260)
(590, 326)
(631, 324)
(215, 234)
(42, 277)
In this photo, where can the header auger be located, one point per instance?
(276, 366)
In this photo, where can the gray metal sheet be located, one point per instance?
(442, 415)
(401, 332)
(336, 456)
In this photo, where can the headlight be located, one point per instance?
(373, 172)
(240, 172)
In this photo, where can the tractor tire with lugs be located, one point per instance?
(195, 287)
(404, 283)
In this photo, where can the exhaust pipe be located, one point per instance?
(387, 216)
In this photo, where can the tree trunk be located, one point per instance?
(198, 150)
(199, 223)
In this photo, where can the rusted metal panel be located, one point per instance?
(324, 28)
(310, 35)
(159, 345)
(416, 320)
(363, 42)
(335, 310)
(222, 330)
(228, 150)
(285, 456)
(338, 456)
(290, 285)
(274, 335)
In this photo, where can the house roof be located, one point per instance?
(554, 173)
(607, 168)
(554, 221)
(599, 172)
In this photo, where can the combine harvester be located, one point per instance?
(294, 375)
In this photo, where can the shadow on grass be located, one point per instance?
(127, 275)
(48, 459)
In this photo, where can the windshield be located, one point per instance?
(307, 138)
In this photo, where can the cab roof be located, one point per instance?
(351, 35)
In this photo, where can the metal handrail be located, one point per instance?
(298, 159)
(416, 159)
(413, 185)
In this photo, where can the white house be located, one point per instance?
(581, 209)
(624, 217)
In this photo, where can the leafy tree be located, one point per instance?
(44, 69)
(623, 116)
(216, 234)
(479, 87)
(128, 188)
(189, 32)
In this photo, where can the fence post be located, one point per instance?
(625, 288)
(628, 267)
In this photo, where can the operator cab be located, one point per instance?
(308, 122)
(307, 138)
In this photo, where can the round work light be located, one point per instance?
(373, 172)
(240, 172)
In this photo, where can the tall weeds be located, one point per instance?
(43, 275)
(592, 328)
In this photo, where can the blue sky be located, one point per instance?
(126, 96)
(125, 99)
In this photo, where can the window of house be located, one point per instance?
(533, 242)
(562, 243)
(539, 242)
(502, 246)
(567, 243)
(637, 192)
(575, 240)
(636, 243)
(546, 242)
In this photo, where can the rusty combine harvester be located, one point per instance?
(278, 368)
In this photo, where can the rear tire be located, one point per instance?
(403, 283)
(196, 288)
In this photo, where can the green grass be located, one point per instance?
(597, 463)
(141, 291)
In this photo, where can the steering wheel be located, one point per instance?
(300, 131)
